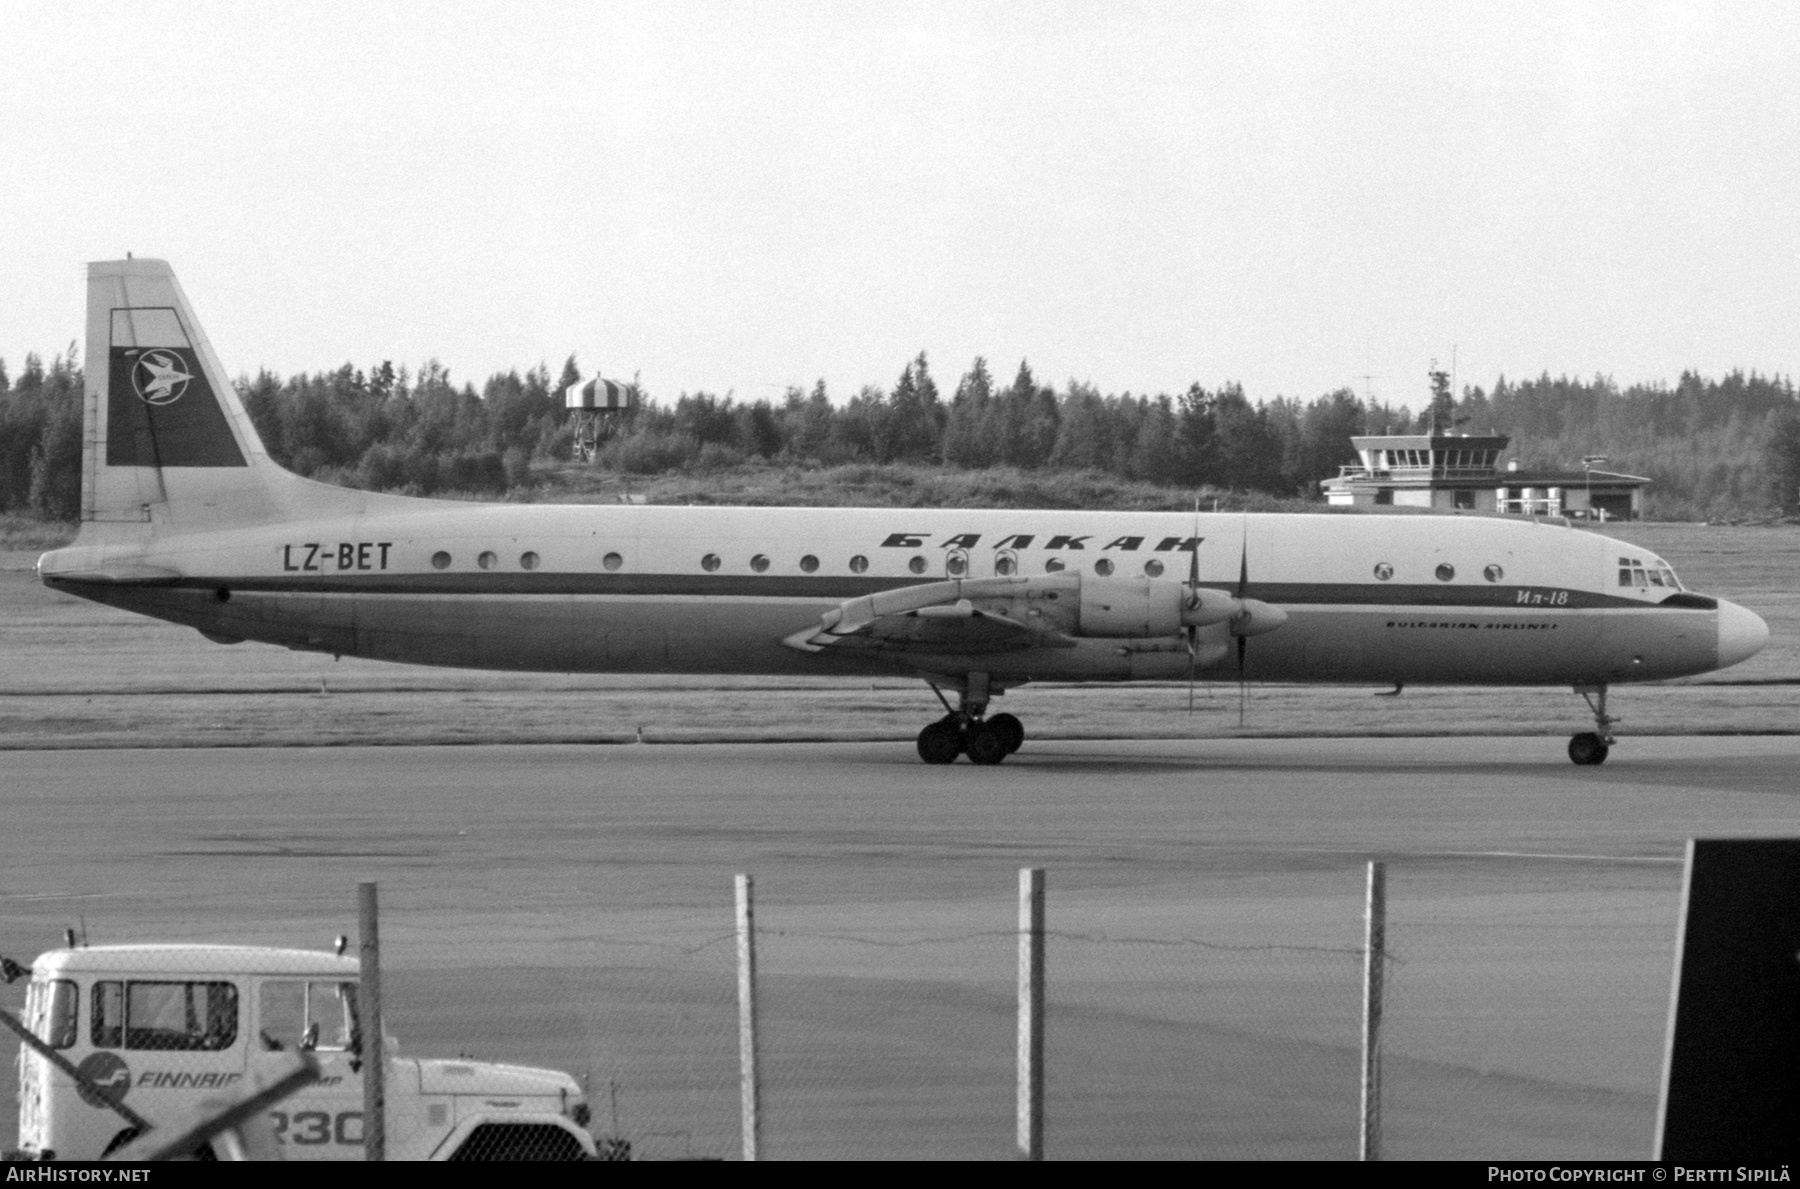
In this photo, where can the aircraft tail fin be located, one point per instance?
(167, 443)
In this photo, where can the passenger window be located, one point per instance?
(1153, 568)
(331, 1008)
(1052, 565)
(612, 561)
(710, 562)
(916, 565)
(440, 560)
(858, 564)
(809, 563)
(304, 1016)
(1104, 567)
(760, 562)
(956, 564)
(487, 560)
(180, 1016)
(1006, 563)
(281, 1015)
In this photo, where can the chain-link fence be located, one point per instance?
(1526, 1009)
(1186, 1017)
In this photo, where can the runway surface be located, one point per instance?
(571, 906)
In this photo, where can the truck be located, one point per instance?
(146, 1032)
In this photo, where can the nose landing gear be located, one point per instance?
(967, 729)
(1592, 747)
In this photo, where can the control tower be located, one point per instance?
(1463, 471)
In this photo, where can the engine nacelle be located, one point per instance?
(1130, 607)
(1133, 608)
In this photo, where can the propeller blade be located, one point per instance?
(1193, 654)
(1193, 632)
(1243, 592)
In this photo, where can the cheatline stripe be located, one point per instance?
(838, 587)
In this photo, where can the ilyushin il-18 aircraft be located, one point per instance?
(186, 518)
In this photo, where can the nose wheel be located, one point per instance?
(1591, 747)
(1588, 748)
(968, 731)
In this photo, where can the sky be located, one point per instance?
(741, 197)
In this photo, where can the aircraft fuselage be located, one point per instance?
(624, 589)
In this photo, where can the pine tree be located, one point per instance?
(1440, 415)
(966, 443)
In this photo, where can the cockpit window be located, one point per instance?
(1633, 573)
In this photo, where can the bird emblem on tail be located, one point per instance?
(160, 377)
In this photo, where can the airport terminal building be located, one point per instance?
(1460, 471)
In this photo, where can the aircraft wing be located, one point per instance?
(964, 615)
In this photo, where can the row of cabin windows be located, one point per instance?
(1445, 572)
(1006, 563)
(169, 1016)
(956, 564)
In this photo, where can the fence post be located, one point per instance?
(368, 1009)
(1031, 1014)
(748, 1085)
(1374, 957)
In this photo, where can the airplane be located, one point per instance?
(186, 518)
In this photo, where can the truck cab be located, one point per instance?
(159, 1027)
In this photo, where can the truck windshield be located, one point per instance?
(306, 1014)
(50, 1011)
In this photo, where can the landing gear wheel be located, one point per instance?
(985, 744)
(939, 743)
(1588, 748)
(1010, 729)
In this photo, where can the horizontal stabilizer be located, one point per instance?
(121, 575)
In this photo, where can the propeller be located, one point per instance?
(1193, 629)
(1242, 619)
(1241, 615)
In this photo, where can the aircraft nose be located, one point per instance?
(1742, 634)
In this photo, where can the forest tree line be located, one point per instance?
(1712, 448)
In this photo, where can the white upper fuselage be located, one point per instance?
(608, 588)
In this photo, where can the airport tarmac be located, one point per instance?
(572, 906)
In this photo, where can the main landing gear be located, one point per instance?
(1591, 747)
(968, 729)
